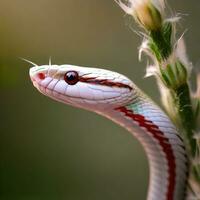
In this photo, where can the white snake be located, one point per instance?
(116, 97)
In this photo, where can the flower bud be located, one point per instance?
(147, 13)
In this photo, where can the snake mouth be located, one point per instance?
(80, 100)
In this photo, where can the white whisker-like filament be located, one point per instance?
(50, 61)
(28, 61)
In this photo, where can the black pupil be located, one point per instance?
(71, 77)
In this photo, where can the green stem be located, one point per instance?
(161, 47)
(185, 111)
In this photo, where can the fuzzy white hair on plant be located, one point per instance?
(181, 54)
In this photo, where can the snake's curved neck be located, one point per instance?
(164, 148)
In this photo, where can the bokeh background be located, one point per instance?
(49, 151)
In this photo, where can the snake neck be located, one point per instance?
(163, 146)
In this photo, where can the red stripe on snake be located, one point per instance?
(164, 143)
(104, 82)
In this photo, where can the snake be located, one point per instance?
(117, 98)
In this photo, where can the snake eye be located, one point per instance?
(71, 77)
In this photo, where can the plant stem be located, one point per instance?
(186, 115)
(161, 47)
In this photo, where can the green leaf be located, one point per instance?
(167, 32)
(165, 78)
(163, 45)
(155, 50)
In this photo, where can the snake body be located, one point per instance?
(116, 97)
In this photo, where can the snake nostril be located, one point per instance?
(41, 76)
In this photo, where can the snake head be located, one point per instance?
(89, 88)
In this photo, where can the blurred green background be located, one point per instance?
(50, 151)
